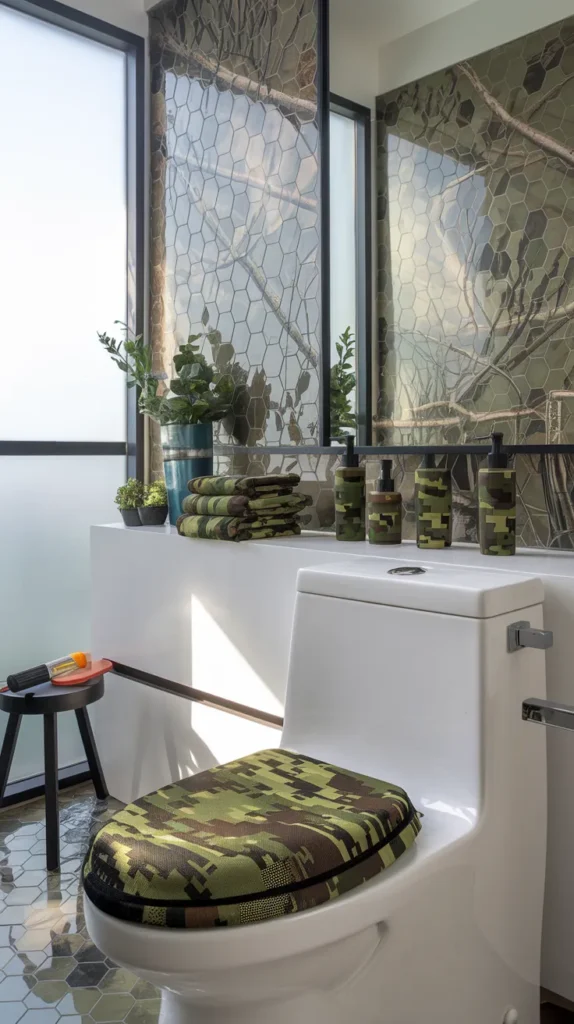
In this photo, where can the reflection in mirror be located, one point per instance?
(474, 188)
(350, 183)
(343, 189)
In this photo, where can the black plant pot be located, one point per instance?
(130, 516)
(152, 515)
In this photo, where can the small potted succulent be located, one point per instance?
(153, 511)
(129, 498)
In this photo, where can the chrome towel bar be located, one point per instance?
(560, 716)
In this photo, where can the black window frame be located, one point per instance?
(134, 47)
(361, 116)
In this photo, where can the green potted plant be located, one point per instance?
(343, 384)
(129, 498)
(153, 512)
(197, 395)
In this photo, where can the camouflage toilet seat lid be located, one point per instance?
(270, 834)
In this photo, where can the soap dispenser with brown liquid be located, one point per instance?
(385, 509)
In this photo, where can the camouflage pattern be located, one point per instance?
(271, 834)
(350, 503)
(240, 505)
(497, 511)
(237, 529)
(252, 486)
(385, 514)
(433, 499)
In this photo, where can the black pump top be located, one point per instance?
(385, 481)
(497, 459)
(350, 458)
(429, 461)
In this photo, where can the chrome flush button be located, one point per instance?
(406, 570)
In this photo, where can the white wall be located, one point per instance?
(377, 45)
(354, 58)
(127, 14)
(480, 26)
(359, 30)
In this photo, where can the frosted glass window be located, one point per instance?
(63, 213)
(48, 505)
(343, 184)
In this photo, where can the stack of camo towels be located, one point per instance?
(243, 507)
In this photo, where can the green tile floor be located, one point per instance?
(50, 971)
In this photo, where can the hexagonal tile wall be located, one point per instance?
(50, 970)
(476, 270)
(235, 206)
(476, 232)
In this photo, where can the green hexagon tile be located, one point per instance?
(50, 971)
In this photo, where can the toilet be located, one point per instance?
(399, 673)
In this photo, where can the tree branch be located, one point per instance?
(255, 273)
(195, 60)
(455, 421)
(540, 139)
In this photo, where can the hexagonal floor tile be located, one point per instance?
(118, 980)
(6, 955)
(55, 969)
(89, 954)
(24, 963)
(79, 1001)
(65, 944)
(113, 1007)
(22, 896)
(46, 993)
(144, 1012)
(33, 939)
(87, 975)
(15, 988)
(144, 990)
(12, 1012)
(40, 1017)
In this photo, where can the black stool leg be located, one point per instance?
(92, 755)
(8, 748)
(51, 786)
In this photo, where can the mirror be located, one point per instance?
(471, 234)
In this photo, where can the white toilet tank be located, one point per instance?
(404, 674)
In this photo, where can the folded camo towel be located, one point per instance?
(235, 528)
(251, 486)
(247, 508)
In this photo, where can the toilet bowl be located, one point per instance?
(406, 677)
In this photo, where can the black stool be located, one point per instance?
(49, 700)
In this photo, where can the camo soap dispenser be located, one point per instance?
(385, 509)
(497, 503)
(349, 494)
(433, 500)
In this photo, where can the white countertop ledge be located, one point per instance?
(532, 561)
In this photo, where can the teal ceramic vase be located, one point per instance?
(187, 452)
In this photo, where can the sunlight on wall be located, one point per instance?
(218, 667)
(229, 737)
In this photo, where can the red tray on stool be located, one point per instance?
(83, 675)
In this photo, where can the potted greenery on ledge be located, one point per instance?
(343, 385)
(153, 512)
(129, 498)
(186, 408)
